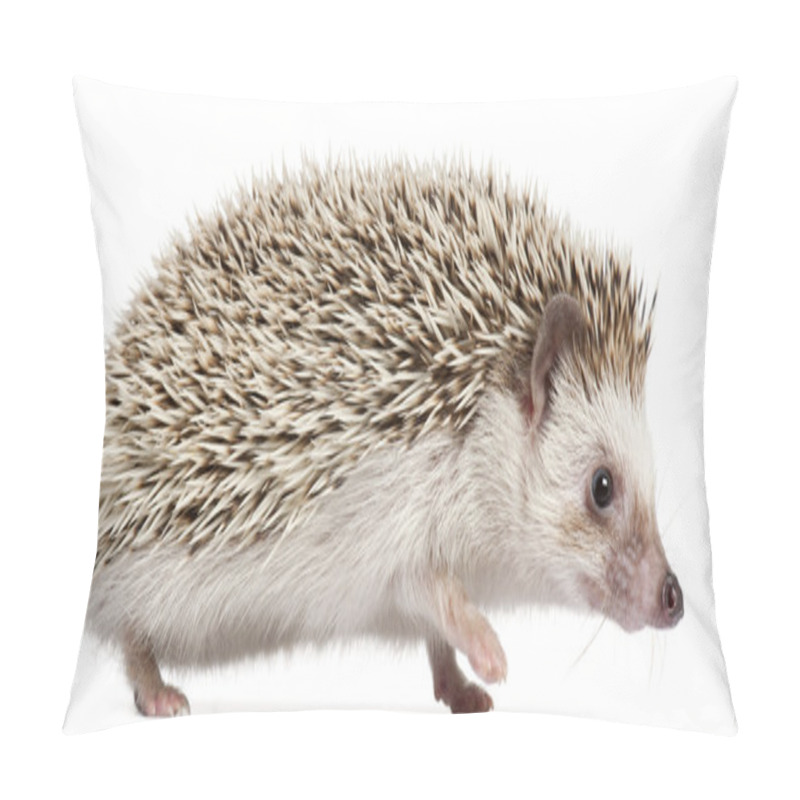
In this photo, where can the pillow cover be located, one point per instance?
(393, 415)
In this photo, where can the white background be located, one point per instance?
(52, 386)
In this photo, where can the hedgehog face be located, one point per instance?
(593, 496)
(604, 518)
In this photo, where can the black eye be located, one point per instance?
(602, 487)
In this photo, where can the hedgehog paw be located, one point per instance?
(164, 702)
(470, 699)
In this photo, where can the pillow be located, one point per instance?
(394, 419)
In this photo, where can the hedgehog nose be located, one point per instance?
(671, 600)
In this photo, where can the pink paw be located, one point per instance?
(487, 658)
(164, 702)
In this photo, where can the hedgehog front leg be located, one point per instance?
(462, 626)
(450, 685)
(152, 696)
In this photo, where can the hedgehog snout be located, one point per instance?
(641, 589)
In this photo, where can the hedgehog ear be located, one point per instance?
(561, 321)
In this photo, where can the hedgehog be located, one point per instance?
(375, 400)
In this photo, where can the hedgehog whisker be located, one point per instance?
(591, 641)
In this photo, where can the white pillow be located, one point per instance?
(639, 175)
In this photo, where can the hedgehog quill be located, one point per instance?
(375, 400)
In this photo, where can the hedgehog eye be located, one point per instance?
(602, 487)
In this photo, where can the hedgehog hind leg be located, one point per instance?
(153, 698)
(450, 685)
